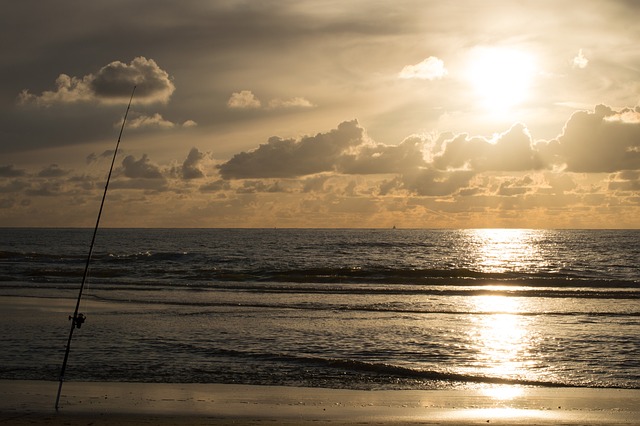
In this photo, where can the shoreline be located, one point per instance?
(106, 403)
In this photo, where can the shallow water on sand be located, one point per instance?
(361, 309)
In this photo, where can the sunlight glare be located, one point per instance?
(501, 250)
(501, 336)
(500, 333)
(503, 392)
(500, 77)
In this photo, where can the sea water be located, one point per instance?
(340, 308)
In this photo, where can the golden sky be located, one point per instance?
(322, 113)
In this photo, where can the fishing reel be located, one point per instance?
(79, 320)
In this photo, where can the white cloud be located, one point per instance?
(431, 68)
(155, 120)
(113, 83)
(296, 102)
(580, 61)
(243, 100)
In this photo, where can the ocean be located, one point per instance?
(334, 308)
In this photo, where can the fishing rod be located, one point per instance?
(78, 319)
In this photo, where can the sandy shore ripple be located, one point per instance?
(32, 402)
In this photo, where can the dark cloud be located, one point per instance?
(191, 168)
(142, 168)
(45, 189)
(600, 141)
(430, 182)
(254, 186)
(10, 171)
(291, 158)
(315, 183)
(113, 83)
(7, 203)
(84, 182)
(117, 79)
(513, 187)
(625, 181)
(142, 184)
(215, 186)
(94, 157)
(14, 185)
(510, 151)
(52, 171)
(370, 159)
(389, 186)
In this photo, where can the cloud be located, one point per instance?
(45, 189)
(379, 158)
(255, 186)
(315, 183)
(514, 187)
(431, 68)
(510, 151)
(156, 120)
(290, 103)
(292, 158)
(10, 171)
(192, 165)
(601, 141)
(93, 157)
(113, 83)
(142, 168)
(625, 181)
(52, 171)
(216, 186)
(7, 203)
(580, 61)
(430, 182)
(560, 183)
(14, 185)
(243, 100)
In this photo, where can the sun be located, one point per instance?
(500, 78)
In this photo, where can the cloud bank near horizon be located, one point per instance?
(600, 141)
(346, 162)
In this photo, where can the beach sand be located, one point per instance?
(32, 402)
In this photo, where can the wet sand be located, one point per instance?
(32, 402)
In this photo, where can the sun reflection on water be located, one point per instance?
(501, 250)
(499, 335)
